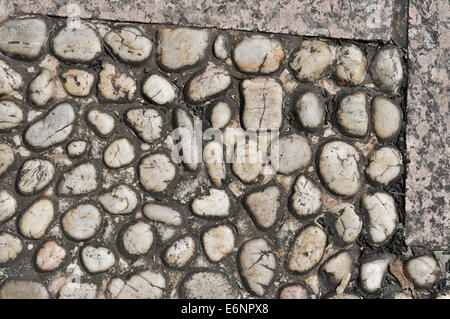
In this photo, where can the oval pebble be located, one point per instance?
(36, 219)
(97, 259)
(129, 44)
(424, 271)
(82, 222)
(386, 118)
(50, 256)
(156, 172)
(306, 199)
(294, 291)
(146, 123)
(119, 153)
(351, 115)
(10, 247)
(11, 114)
(180, 252)
(215, 204)
(144, 285)
(220, 115)
(8, 205)
(290, 153)
(387, 70)
(218, 242)
(137, 238)
(102, 122)
(264, 206)
(310, 111)
(351, 64)
(23, 289)
(372, 273)
(10, 80)
(76, 148)
(162, 214)
(211, 82)
(80, 180)
(385, 165)
(6, 157)
(158, 89)
(78, 82)
(41, 88)
(121, 200)
(34, 176)
(312, 60)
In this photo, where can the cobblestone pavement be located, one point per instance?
(295, 188)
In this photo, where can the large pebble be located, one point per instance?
(36, 219)
(264, 206)
(385, 165)
(10, 80)
(382, 216)
(102, 122)
(8, 205)
(182, 47)
(115, 85)
(290, 153)
(207, 285)
(79, 181)
(11, 115)
(77, 43)
(129, 44)
(348, 224)
(310, 111)
(211, 82)
(162, 214)
(218, 242)
(144, 285)
(156, 172)
(34, 176)
(257, 262)
(97, 259)
(338, 168)
(6, 157)
(158, 89)
(306, 200)
(263, 104)
(215, 204)
(220, 115)
(180, 253)
(312, 60)
(187, 139)
(41, 88)
(258, 54)
(351, 115)
(386, 118)
(307, 249)
(10, 247)
(50, 256)
(75, 290)
(137, 238)
(387, 70)
(119, 153)
(146, 123)
(23, 289)
(424, 271)
(247, 161)
(53, 128)
(372, 273)
(351, 65)
(214, 159)
(78, 82)
(121, 200)
(82, 222)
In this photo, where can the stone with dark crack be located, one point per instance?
(212, 81)
(338, 268)
(41, 88)
(306, 199)
(156, 172)
(11, 115)
(137, 238)
(424, 271)
(144, 285)
(146, 123)
(82, 222)
(207, 285)
(264, 206)
(129, 44)
(80, 180)
(348, 224)
(36, 219)
(119, 153)
(386, 118)
(186, 139)
(351, 115)
(6, 157)
(158, 89)
(8, 205)
(351, 64)
(97, 259)
(23, 289)
(10, 247)
(180, 252)
(78, 82)
(312, 60)
(385, 165)
(215, 204)
(10, 80)
(121, 200)
(34, 175)
(218, 242)
(387, 70)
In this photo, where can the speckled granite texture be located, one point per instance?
(427, 185)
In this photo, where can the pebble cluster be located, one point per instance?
(92, 205)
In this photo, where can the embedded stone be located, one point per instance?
(338, 168)
(180, 252)
(144, 285)
(82, 222)
(79, 181)
(424, 271)
(386, 118)
(207, 285)
(115, 85)
(214, 159)
(181, 47)
(37, 218)
(306, 199)
(41, 88)
(11, 115)
(385, 165)
(372, 273)
(263, 104)
(10, 247)
(348, 223)
(263, 206)
(34, 176)
(6, 157)
(338, 268)
(162, 214)
(137, 238)
(119, 153)
(257, 262)
(294, 292)
(129, 44)
(220, 115)
(211, 82)
(344, 296)
(307, 249)
(350, 64)
(8, 205)
(218, 242)
(78, 82)
(50, 256)
(77, 43)
(10, 80)
(158, 89)
(186, 137)
(76, 148)
(97, 259)
(290, 153)
(54, 128)
(351, 115)
(74, 290)
(386, 70)
(312, 60)
(247, 161)
(146, 123)
(156, 172)
(121, 200)
(23, 289)
(310, 111)
(258, 54)
(101, 121)
(220, 49)
(216, 204)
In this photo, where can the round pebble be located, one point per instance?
(310, 111)
(129, 44)
(385, 165)
(186, 139)
(78, 82)
(82, 222)
(180, 253)
(101, 121)
(351, 65)
(137, 238)
(74, 290)
(158, 89)
(10, 247)
(386, 118)
(146, 123)
(264, 206)
(306, 200)
(424, 271)
(76, 148)
(50, 256)
(8, 205)
(215, 204)
(156, 172)
(218, 242)
(351, 115)
(34, 176)
(119, 153)
(36, 219)
(97, 259)
(80, 180)
(338, 268)
(121, 200)
(290, 153)
(387, 70)
(312, 60)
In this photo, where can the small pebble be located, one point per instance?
(121, 200)
(6, 157)
(180, 253)
(23, 289)
(348, 223)
(101, 121)
(78, 82)
(424, 271)
(146, 123)
(156, 172)
(372, 273)
(144, 285)
(350, 64)
(78, 291)
(97, 259)
(10, 80)
(385, 165)
(162, 214)
(218, 242)
(386, 118)
(115, 85)
(50, 256)
(214, 159)
(8, 205)
(186, 139)
(207, 285)
(137, 238)
(41, 88)
(220, 49)
(158, 89)
(220, 115)
(290, 153)
(79, 181)
(34, 176)
(11, 115)
(351, 115)
(119, 153)
(10, 247)
(306, 199)
(211, 82)
(310, 111)
(294, 292)
(247, 162)
(76, 148)
(263, 206)
(387, 70)
(216, 204)
(338, 268)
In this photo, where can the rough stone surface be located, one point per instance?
(146, 123)
(10, 80)
(50, 256)
(119, 153)
(10, 247)
(115, 85)
(42, 88)
(6, 157)
(156, 172)
(306, 198)
(348, 224)
(263, 206)
(180, 253)
(129, 44)
(210, 82)
(80, 180)
(292, 153)
(78, 82)
(137, 238)
(351, 115)
(11, 115)
(218, 242)
(144, 285)
(34, 176)
(15, 289)
(207, 285)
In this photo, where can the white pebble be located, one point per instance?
(11, 115)
(119, 153)
(137, 238)
(207, 285)
(158, 89)
(310, 111)
(351, 64)
(386, 118)
(82, 222)
(8, 205)
(34, 175)
(351, 115)
(387, 70)
(115, 85)
(129, 44)
(78, 82)
(220, 115)
(36, 219)
(218, 242)
(312, 60)
(348, 223)
(423, 270)
(156, 172)
(50, 256)
(146, 123)
(121, 200)
(162, 214)
(79, 181)
(41, 88)
(290, 153)
(180, 252)
(76, 148)
(372, 273)
(212, 81)
(101, 121)
(6, 157)
(385, 165)
(215, 204)
(307, 197)
(263, 206)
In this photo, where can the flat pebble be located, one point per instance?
(79, 181)
(11, 115)
(215, 163)
(386, 118)
(10, 80)
(82, 222)
(34, 175)
(351, 64)
(247, 161)
(215, 204)
(36, 219)
(180, 252)
(312, 60)
(76, 148)
(129, 44)
(351, 115)
(263, 206)
(212, 81)
(306, 199)
(424, 271)
(97, 259)
(218, 242)
(41, 88)
(162, 214)
(310, 111)
(207, 285)
(158, 89)
(10, 247)
(137, 238)
(78, 82)
(348, 224)
(115, 85)
(220, 115)
(144, 285)
(119, 153)
(121, 200)
(101, 121)
(23, 289)
(290, 153)
(146, 123)
(385, 165)
(6, 157)
(156, 172)
(387, 70)
(8, 205)
(372, 273)
(50, 256)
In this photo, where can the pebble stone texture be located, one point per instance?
(93, 206)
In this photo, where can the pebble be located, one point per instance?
(78, 82)
(119, 153)
(8, 205)
(82, 222)
(101, 121)
(162, 214)
(213, 157)
(351, 115)
(97, 259)
(338, 168)
(115, 85)
(76, 148)
(146, 123)
(156, 172)
(386, 70)
(382, 216)
(23, 289)
(50, 256)
(182, 47)
(41, 88)
(306, 200)
(263, 104)
(424, 271)
(310, 111)
(338, 268)
(207, 285)
(220, 115)
(215, 204)
(263, 206)
(307, 249)
(180, 253)
(385, 165)
(220, 48)
(11, 115)
(372, 273)
(34, 176)
(121, 200)
(158, 89)
(211, 82)
(78, 43)
(290, 153)
(344, 296)
(144, 285)
(187, 140)
(247, 163)
(129, 44)
(137, 238)
(351, 65)
(312, 60)
(53, 128)
(218, 242)
(258, 54)
(10, 247)
(79, 181)
(386, 118)
(348, 223)
(36, 219)
(6, 157)
(257, 263)
(78, 291)
(10, 80)
(23, 38)
(294, 292)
